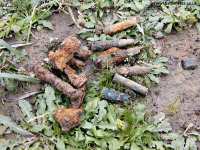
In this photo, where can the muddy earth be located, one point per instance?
(178, 94)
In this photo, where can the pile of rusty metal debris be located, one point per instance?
(70, 55)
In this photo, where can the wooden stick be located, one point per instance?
(130, 84)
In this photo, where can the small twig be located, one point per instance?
(188, 128)
(31, 23)
(37, 117)
(73, 17)
(18, 45)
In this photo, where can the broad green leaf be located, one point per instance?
(178, 143)
(6, 121)
(135, 146)
(159, 145)
(41, 105)
(60, 145)
(140, 112)
(38, 128)
(50, 97)
(4, 44)
(91, 106)
(169, 28)
(153, 78)
(86, 6)
(198, 27)
(190, 144)
(163, 126)
(26, 109)
(87, 125)
(46, 24)
(115, 144)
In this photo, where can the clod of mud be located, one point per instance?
(68, 118)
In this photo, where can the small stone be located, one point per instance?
(189, 63)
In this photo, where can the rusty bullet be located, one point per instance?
(130, 84)
(120, 26)
(104, 45)
(134, 70)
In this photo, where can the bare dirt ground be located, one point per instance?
(178, 93)
(180, 85)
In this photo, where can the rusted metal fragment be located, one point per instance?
(112, 29)
(120, 56)
(76, 95)
(78, 103)
(108, 52)
(63, 55)
(116, 57)
(76, 80)
(114, 96)
(68, 118)
(83, 54)
(130, 84)
(78, 63)
(134, 70)
(104, 45)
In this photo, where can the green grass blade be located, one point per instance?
(19, 77)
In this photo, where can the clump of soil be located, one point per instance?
(178, 94)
